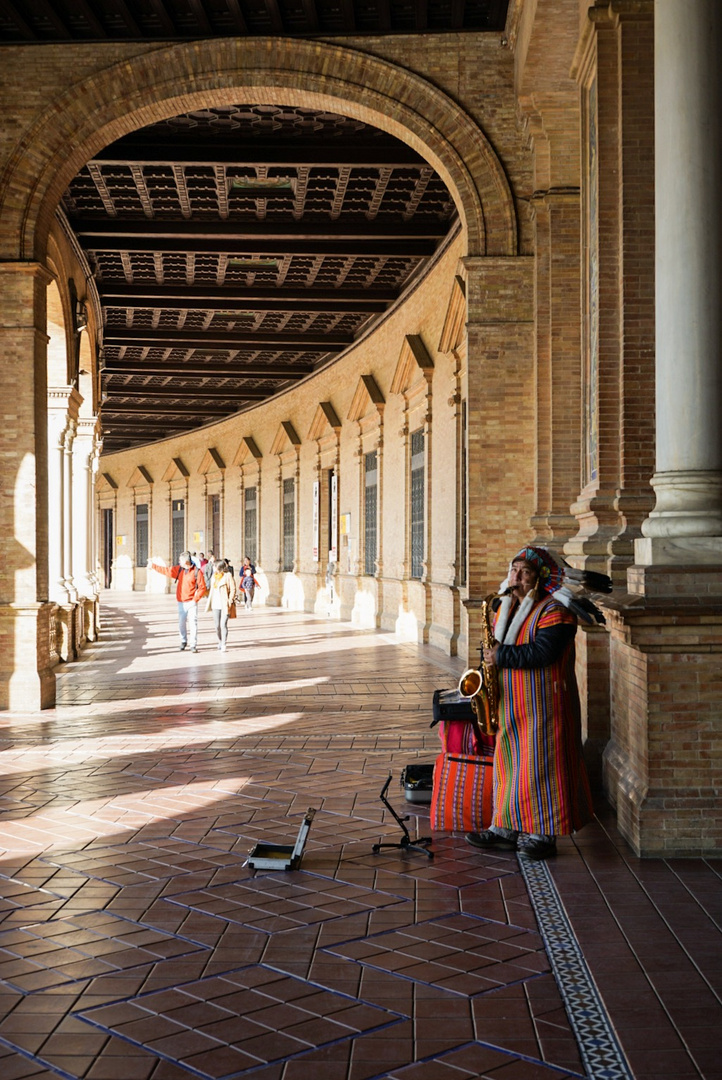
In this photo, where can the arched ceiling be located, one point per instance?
(237, 250)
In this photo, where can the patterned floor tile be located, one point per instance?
(73, 949)
(224, 1026)
(284, 901)
(459, 953)
(137, 801)
(138, 863)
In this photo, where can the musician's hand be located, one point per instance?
(490, 656)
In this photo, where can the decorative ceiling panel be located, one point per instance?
(245, 237)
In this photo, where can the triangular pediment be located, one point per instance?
(246, 449)
(326, 420)
(105, 482)
(212, 462)
(286, 438)
(176, 471)
(140, 478)
(452, 334)
(413, 361)
(368, 398)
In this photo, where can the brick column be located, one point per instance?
(558, 374)
(501, 422)
(663, 766)
(26, 678)
(614, 66)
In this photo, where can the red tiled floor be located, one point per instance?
(136, 945)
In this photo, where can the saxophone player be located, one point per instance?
(541, 788)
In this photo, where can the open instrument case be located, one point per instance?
(282, 856)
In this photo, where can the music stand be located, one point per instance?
(405, 843)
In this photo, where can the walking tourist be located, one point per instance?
(222, 600)
(248, 583)
(190, 587)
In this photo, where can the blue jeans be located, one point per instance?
(188, 621)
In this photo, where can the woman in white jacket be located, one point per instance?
(221, 598)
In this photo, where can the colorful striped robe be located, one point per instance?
(540, 781)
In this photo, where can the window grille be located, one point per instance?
(141, 534)
(250, 524)
(370, 512)
(178, 529)
(215, 516)
(289, 523)
(417, 504)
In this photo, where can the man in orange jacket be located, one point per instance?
(189, 590)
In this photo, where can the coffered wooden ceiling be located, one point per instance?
(237, 250)
(168, 20)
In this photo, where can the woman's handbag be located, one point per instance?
(232, 610)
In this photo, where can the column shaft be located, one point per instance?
(26, 677)
(688, 181)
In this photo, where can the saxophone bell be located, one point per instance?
(470, 683)
(471, 686)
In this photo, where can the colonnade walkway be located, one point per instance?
(135, 944)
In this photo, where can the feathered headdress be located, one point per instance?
(569, 586)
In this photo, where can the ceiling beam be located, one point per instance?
(131, 24)
(235, 9)
(142, 294)
(124, 427)
(45, 9)
(273, 11)
(217, 339)
(311, 13)
(189, 370)
(261, 248)
(175, 390)
(238, 307)
(90, 17)
(10, 13)
(198, 10)
(120, 230)
(357, 152)
(122, 409)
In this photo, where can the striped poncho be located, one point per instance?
(540, 781)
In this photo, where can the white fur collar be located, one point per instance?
(520, 615)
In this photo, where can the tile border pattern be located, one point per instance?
(599, 1047)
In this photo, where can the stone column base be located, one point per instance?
(663, 763)
(27, 682)
(66, 632)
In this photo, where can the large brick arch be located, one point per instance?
(167, 81)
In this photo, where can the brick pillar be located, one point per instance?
(558, 374)
(615, 69)
(663, 767)
(26, 678)
(501, 422)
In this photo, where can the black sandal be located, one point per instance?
(488, 839)
(535, 848)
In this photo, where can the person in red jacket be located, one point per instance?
(191, 586)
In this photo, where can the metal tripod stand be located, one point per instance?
(405, 843)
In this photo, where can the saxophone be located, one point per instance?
(482, 685)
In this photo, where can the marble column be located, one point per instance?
(83, 452)
(57, 424)
(685, 526)
(26, 677)
(69, 505)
